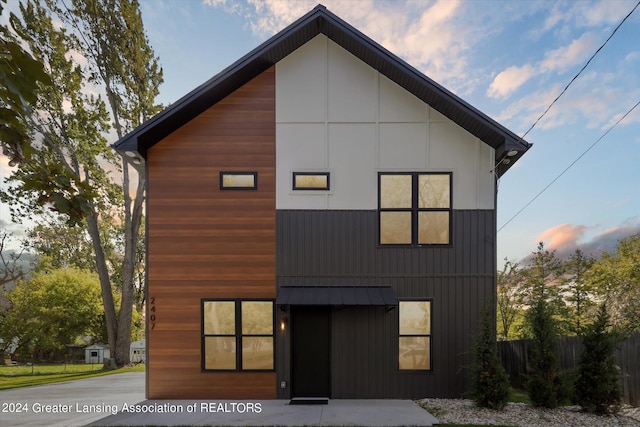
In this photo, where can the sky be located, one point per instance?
(509, 59)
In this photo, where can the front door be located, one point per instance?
(310, 337)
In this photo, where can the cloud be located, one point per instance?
(564, 239)
(596, 98)
(509, 80)
(529, 107)
(607, 241)
(556, 60)
(603, 12)
(565, 57)
(435, 37)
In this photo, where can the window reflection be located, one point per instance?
(414, 353)
(415, 317)
(257, 352)
(257, 317)
(219, 318)
(415, 208)
(434, 191)
(247, 325)
(395, 191)
(310, 181)
(395, 227)
(220, 353)
(433, 227)
(414, 341)
(238, 180)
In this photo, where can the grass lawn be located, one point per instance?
(22, 376)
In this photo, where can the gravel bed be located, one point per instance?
(460, 411)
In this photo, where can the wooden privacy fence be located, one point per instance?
(514, 356)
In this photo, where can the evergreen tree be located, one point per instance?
(598, 382)
(578, 291)
(490, 382)
(544, 384)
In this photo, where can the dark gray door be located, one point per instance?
(310, 338)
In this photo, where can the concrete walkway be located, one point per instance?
(118, 400)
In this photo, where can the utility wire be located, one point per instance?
(551, 105)
(580, 72)
(569, 167)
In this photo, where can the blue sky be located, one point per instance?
(509, 59)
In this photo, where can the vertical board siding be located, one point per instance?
(340, 243)
(340, 248)
(208, 243)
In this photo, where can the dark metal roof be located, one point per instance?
(321, 21)
(337, 295)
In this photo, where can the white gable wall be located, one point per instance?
(335, 113)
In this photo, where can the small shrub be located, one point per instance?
(598, 382)
(490, 381)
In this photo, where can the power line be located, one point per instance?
(569, 167)
(579, 72)
(551, 105)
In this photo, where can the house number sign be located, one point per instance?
(152, 313)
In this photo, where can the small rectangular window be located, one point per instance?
(311, 181)
(238, 180)
(414, 341)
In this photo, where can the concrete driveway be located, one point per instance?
(70, 403)
(118, 400)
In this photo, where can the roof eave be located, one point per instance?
(321, 21)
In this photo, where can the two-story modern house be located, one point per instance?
(321, 222)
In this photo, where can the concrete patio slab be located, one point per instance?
(274, 413)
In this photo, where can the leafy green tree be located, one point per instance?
(21, 77)
(490, 381)
(544, 384)
(59, 246)
(70, 172)
(130, 73)
(578, 291)
(52, 309)
(510, 299)
(598, 383)
(616, 280)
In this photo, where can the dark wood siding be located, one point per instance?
(207, 243)
(340, 248)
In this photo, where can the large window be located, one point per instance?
(414, 335)
(237, 335)
(414, 208)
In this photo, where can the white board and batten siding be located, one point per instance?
(336, 114)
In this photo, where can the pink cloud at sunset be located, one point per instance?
(564, 239)
(562, 236)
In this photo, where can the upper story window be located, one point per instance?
(414, 208)
(238, 180)
(311, 181)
